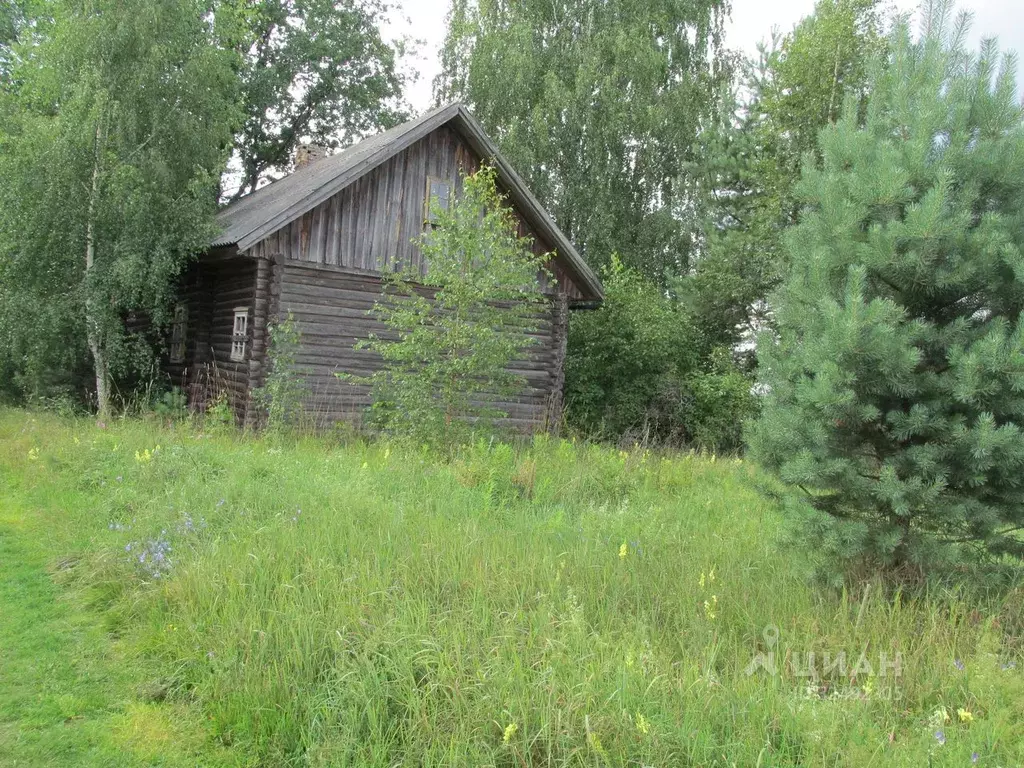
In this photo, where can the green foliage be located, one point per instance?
(379, 605)
(311, 69)
(454, 331)
(110, 150)
(281, 394)
(171, 405)
(752, 154)
(599, 104)
(894, 398)
(219, 415)
(639, 368)
(715, 403)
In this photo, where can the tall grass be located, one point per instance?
(552, 604)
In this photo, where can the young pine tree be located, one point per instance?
(895, 385)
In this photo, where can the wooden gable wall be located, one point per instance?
(371, 225)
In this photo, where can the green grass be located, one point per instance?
(558, 604)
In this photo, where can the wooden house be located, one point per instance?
(314, 244)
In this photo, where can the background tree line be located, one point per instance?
(667, 158)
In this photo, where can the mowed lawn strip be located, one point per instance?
(70, 695)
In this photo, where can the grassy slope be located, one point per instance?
(369, 606)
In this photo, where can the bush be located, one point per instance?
(281, 394)
(456, 330)
(638, 368)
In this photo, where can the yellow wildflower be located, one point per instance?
(711, 576)
(965, 715)
(510, 731)
(623, 551)
(642, 724)
(387, 453)
(366, 465)
(702, 580)
(710, 607)
(33, 454)
(143, 456)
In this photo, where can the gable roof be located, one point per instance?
(253, 217)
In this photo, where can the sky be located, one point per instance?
(752, 21)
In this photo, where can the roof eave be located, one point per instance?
(536, 213)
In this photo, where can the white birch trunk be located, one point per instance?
(92, 324)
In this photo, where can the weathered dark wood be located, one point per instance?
(560, 336)
(223, 285)
(333, 311)
(257, 354)
(320, 256)
(374, 223)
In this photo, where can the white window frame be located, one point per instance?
(179, 333)
(240, 334)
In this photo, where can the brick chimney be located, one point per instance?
(307, 154)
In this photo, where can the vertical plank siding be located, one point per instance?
(372, 224)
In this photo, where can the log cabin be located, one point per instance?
(314, 245)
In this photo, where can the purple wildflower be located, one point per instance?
(220, 503)
(959, 665)
(153, 556)
(940, 737)
(974, 757)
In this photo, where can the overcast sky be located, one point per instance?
(752, 20)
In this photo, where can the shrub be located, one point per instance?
(454, 331)
(281, 394)
(638, 368)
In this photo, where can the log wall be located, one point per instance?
(333, 307)
(212, 290)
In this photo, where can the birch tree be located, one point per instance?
(110, 152)
(598, 103)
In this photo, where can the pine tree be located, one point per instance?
(895, 384)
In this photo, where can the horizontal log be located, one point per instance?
(314, 348)
(539, 381)
(349, 294)
(333, 327)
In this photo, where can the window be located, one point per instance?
(439, 195)
(239, 335)
(179, 329)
